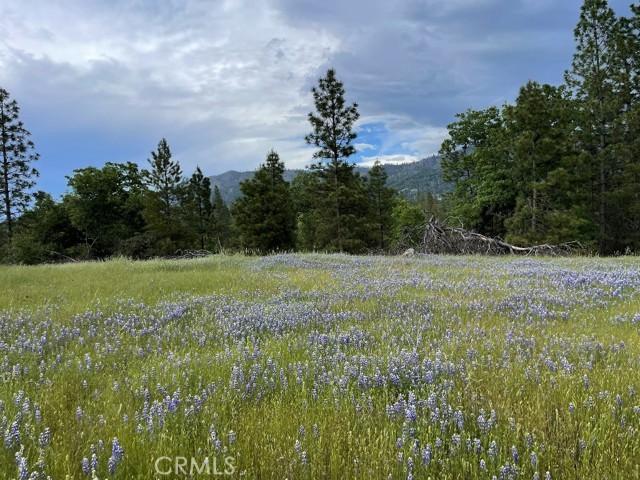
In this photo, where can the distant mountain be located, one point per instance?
(410, 179)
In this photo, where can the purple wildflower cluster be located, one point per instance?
(420, 350)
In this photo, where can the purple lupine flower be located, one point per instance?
(86, 469)
(12, 435)
(534, 460)
(427, 455)
(45, 437)
(529, 440)
(514, 454)
(116, 456)
(37, 413)
(23, 467)
(483, 465)
(493, 450)
(399, 443)
(232, 437)
(79, 413)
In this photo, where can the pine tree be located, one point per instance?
(163, 205)
(381, 200)
(264, 215)
(342, 209)
(200, 208)
(593, 79)
(16, 173)
(221, 222)
(548, 207)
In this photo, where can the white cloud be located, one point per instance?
(364, 146)
(226, 81)
(388, 159)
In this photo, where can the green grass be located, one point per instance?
(310, 353)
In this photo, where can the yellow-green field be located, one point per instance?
(318, 366)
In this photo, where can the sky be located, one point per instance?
(225, 81)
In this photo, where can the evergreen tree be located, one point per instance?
(546, 174)
(598, 82)
(342, 207)
(305, 195)
(200, 207)
(163, 212)
(264, 215)
(381, 200)
(16, 173)
(221, 222)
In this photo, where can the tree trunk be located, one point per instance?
(6, 193)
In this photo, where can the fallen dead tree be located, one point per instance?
(438, 238)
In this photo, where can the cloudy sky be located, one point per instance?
(227, 80)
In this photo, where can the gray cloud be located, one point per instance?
(225, 81)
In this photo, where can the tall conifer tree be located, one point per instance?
(342, 204)
(17, 153)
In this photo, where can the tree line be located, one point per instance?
(560, 164)
(563, 162)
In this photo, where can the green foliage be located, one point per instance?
(407, 219)
(333, 121)
(341, 205)
(199, 209)
(16, 173)
(381, 201)
(476, 158)
(604, 79)
(220, 223)
(164, 199)
(305, 196)
(264, 215)
(45, 232)
(106, 206)
(549, 187)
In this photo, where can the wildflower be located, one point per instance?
(45, 437)
(426, 455)
(86, 469)
(23, 467)
(116, 456)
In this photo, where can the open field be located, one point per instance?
(311, 366)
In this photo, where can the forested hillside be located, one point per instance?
(411, 180)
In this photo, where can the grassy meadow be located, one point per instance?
(321, 366)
